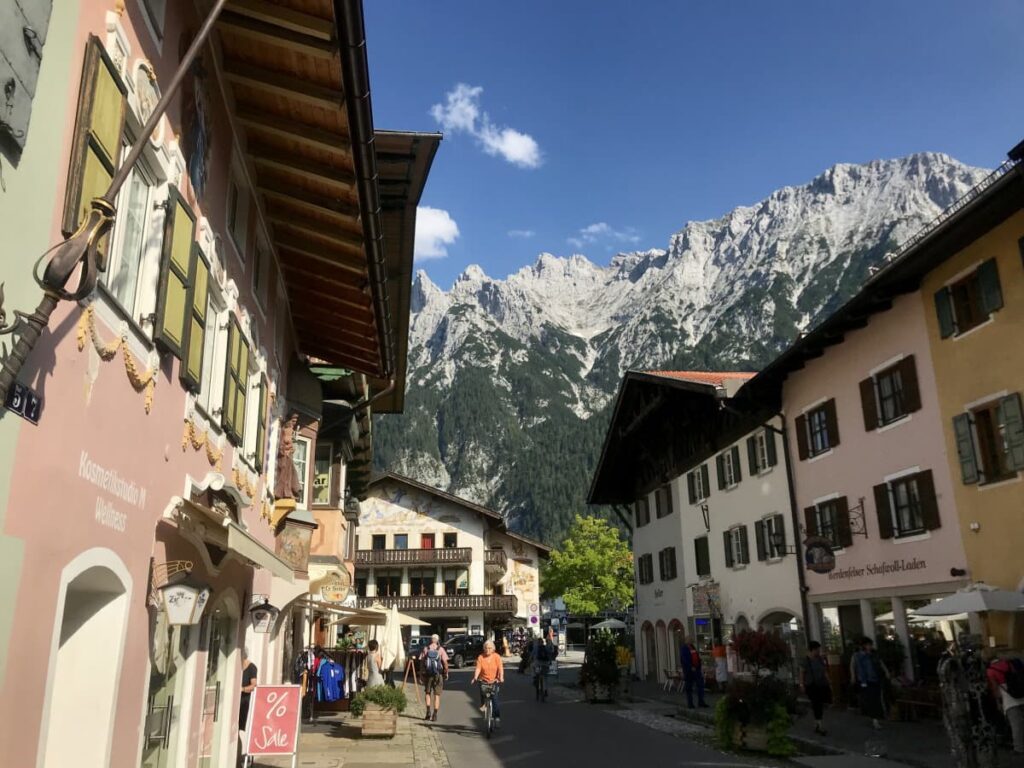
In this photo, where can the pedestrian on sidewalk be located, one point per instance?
(249, 674)
(815, 684)
(693, 672)
(490, 671)
(374, 660)
(434, 663)
(868, 675)
(1006, 681)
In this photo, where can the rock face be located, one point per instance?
(510, 381)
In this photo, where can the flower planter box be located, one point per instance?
(752, 737)
(598, 692)
(378, 721)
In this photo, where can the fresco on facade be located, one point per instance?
(396, 505)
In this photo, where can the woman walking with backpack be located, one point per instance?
(434, 663)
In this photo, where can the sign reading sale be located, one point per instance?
(273, 727)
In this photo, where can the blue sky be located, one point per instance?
(593, 127)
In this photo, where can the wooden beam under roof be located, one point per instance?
(358, 335)
(294, 130)
(271, 158)
(346, 291)
(319, 236)
(285, 18)
(317, 298)
(363, 345)
(264, 33)
(343, 233)
(313, 251)
(279, 84)
(335, 207)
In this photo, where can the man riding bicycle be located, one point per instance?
(490, 671)
(541, 657)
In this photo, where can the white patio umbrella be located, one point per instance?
(390, 639)
(976, 598)
(610, 624)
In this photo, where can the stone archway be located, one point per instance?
(676, 635)
(650, 653)
(661, 641)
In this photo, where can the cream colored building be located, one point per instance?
(445, 560)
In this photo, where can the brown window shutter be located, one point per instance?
(720, 467)
(705, 479)
(884, 511)
(911, 391)
(762, 554)
(752, 455)
(844, 534)
(744, 545)
(929, 503)
(727, 539)
(869, 404)
(811, 521)
(691, 486)
(801, 436)
(780, 526)
(769, 438)
(832, 423)
(737, 473)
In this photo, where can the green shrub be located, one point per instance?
(779, 743)
(725, 723)
(382, 695)
(601, 665)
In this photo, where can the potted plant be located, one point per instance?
(755, 714)
(599, 675)
(379, 708)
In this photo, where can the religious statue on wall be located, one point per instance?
(286, 482)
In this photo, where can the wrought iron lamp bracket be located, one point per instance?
(858, 525)
(162, 573)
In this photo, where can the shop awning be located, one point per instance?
(252, 549)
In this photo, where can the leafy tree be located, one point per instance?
(593, 569)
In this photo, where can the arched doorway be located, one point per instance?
(93, 613)
(675, 642)
(661, 638)
(650, 652)
(787, 626)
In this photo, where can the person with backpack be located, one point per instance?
(1006, 680)
(434, 665)
(693, 673)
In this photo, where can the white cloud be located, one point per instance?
(435, 230)
(461, 113)
(602, 232)
(525, 234)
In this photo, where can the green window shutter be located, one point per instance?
(780, 526)
(1012, 420)
(727, 540)
(261, 426)
(229, 408)
(844, 534)
(991, 290)
(96, 145)
(868, 403)
(172, 308)
(929, 502)
(944, 311)
(801, 436)
(720, 467)
(744, 545)
(832, 423)
(691, 486)
(884, 510)
(705, 480)
(773, 456)
(911, 389)
(762, 553)
(242, 383)
(752, 455)
(965, 448)
(736, 471)
(191, 371)
(811, 521)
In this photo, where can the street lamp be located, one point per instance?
(778, 542)
(263, 616)
(184, 599)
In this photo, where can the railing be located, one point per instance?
(492, 603)
(496, 558)
(374, 557)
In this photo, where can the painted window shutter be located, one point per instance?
(773, 456)
(737, 473)
(727, 540)
(780, 526)
(844, 533)
(261, 426)
(944, 311)
(811, 520)
(691, 486)
(882, 506)
(720, 466)
(23, 28)
(965, 448)
(1012, 419)
(832, 423)
(195, 323)
(929, 503)
(233, 394)
(991, 291)
(752, 455)
(244, 367)
(801, 436)
(868, 403)
(172, 308)
(762, 554)
(96, 145)
(705, 479)
(744, 545)
(911, 390)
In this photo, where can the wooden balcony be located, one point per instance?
(495, 560)
(486, 603)
(375, 558)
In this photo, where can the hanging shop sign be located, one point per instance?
(273, 725)
(336, 587)
(818, 555)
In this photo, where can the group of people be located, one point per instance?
(490, 672)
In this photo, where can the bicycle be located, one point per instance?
(489, 690)
(540, 683)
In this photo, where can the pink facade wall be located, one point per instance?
(52, 508)
(863, 459)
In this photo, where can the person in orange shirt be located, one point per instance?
(490, 670)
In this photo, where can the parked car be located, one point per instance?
(416, 646)
(463, 649)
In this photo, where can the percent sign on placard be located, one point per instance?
(278, 706)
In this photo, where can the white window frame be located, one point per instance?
(761, 451)
(252, 416)
(210, 399)
(736, 543)
(698, 486)
(768, 529)
(729, 469)
(304, 472)
(330, 471)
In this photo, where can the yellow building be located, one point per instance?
(974, 297)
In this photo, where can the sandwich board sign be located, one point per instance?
(273, 724)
